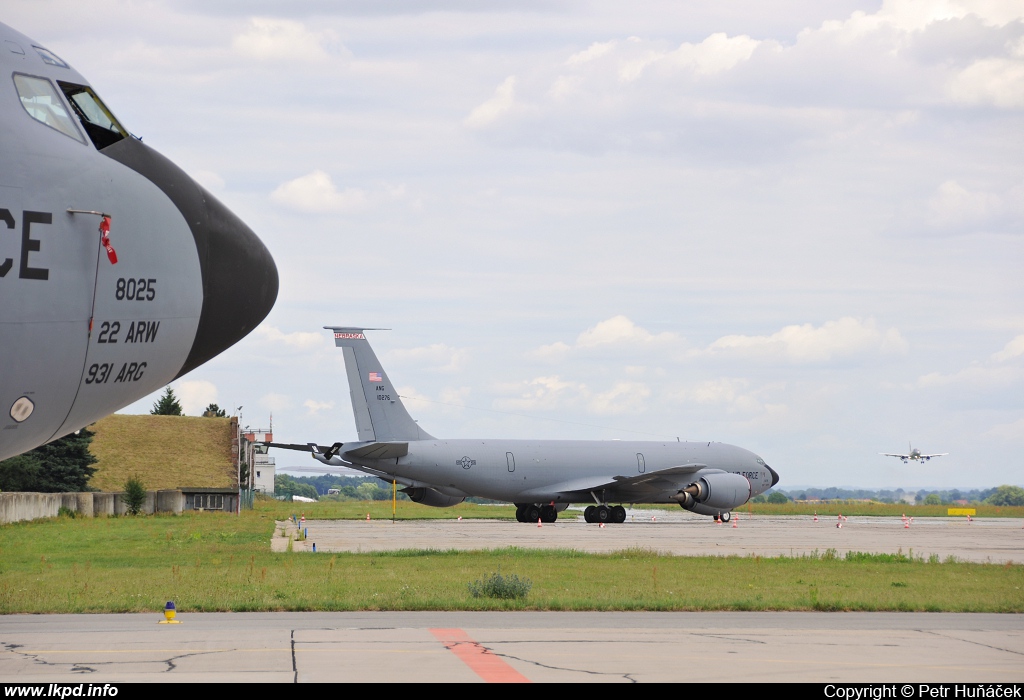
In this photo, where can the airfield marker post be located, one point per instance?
(394, 499)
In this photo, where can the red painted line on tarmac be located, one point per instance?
(483, 662)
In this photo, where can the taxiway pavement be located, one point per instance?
(994, 540)
(420, 647)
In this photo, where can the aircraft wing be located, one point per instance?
(890, 454)
(658, 480)
(943, 454)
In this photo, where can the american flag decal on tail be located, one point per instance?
(375, 377)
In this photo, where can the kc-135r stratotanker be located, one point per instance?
(118, 272)
(542, 477)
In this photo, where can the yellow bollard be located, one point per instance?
(169, 612)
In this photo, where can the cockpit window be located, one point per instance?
(49, 57)
(99, 123)
(41, 101)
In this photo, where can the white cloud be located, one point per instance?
(302, 340)
(195, 395)
(954, 205)
(276, 402)
(594, 51)
(1011, 432)
(502, 101)
(623, 397)
(975, 376)
(833, 340)
(617, 330)
(717, 53)
(1015, 348)
(314, 407)
(209, 179)
(541, 393)
(273, 39)
(438, 357)
(315, 193)
(995, 81)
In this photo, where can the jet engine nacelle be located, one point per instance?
(717, 491)
(432, 497)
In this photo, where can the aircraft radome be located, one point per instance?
(118, 272)
(542, 477)
(912, 454)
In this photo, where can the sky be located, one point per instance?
(797, 227)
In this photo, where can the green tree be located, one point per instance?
(62, 465)
(933, 499)
(167, 405)
(134, 495)
(214, 411)
(778, 497)
(285, 485)
(1007, 495)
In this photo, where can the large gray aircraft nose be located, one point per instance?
(775, 476)
(239, 283)
(239, 276)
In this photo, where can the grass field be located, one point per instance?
(344, 510)
(209, 562)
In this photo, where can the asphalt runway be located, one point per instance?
(994, 540)
(423, 647)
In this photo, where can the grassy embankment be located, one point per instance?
(209, 561)
(166, 464)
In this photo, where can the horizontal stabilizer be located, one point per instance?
(378, 450)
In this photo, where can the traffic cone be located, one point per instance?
(460, 518)
(367, 516)
(602, 524)
(734, 521)
(839, 524)
(815, 516)
(538, 523)
(653, 519)
(718, 518)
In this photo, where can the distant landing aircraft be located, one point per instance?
(542, 477)
(914, 454)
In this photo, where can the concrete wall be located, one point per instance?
(17, 506)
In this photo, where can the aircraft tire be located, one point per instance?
(618, 514)
(548, 514)
(603, 514)
(520, 516)
(726, 516)
(531, 514)
(588, 514)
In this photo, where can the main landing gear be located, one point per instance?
(604, 514)
(531, 513)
